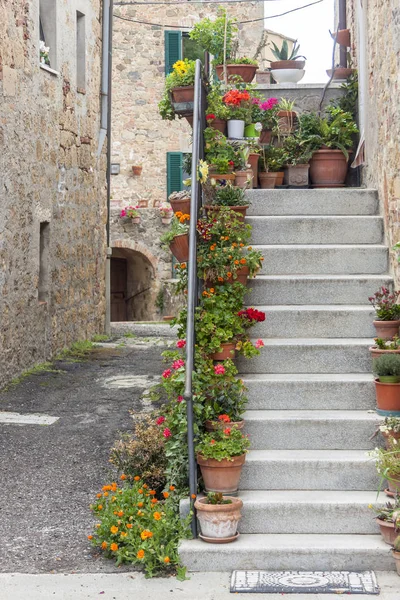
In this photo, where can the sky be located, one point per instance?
(310, 27)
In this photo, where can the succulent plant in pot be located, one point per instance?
(218, 516)
(287, 68)
(387, 311)
(388, 519)
(228, 195)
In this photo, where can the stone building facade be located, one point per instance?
(52, 184)
(375, 29)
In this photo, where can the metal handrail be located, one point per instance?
(192, 295)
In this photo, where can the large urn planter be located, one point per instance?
(180, 247)
(388, 531)
(218, 124)
(219, 522)
(214, 425)
(267, 180)
(244, 179)
(328, 168)
(227, 351)
(288, 64)
(236, 129)
(296, 175)
(182, 94)
(387, 398)
(246, 72)
(386, 330)
(221, 475)
(253, 162)
(287, 71)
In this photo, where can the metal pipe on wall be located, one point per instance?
(343, 25)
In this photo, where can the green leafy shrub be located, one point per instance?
(387, 365)
(223, 444)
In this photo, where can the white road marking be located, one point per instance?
(18, 419)
(127, 381)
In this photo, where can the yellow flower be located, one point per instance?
(113, 529)
(202, 171)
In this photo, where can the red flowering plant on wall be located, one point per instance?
(238, 104)
(251, 316)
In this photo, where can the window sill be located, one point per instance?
(81, 90)
(48, 69)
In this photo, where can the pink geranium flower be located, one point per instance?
(160, 420)
(179, 399)
(167, 373)
(181, 343)
(259, 344)
(219, 369)
(177, 364)
(167, 432)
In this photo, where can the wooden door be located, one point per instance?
(118, 289)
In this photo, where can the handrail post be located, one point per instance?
(192, 286)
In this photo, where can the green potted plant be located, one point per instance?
(388, 519)
(177, 237)
(287, 68)
(218, 516)
(243, 172)
(382, 346)
(266, 113)
(330, 138)
(229, 195)
(179, 88)
(221, 455)
(387, 384)
(132, 213)
(217, 113)
(387, 463)
(396, 553)
(225, 397)
(286, 116)
(390, 429)
(297, 157)
(219, 154)
(267, 177)
(387, 311)
(239, 107)
(276, 158)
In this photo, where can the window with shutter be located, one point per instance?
(173, 49)
(174, 172)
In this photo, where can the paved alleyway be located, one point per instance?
(50, 473)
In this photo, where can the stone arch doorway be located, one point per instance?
(133, 283)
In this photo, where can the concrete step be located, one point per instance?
(303, 552)
(311, 429)
(144, 329)
(316, 229)
(316, 511)
(287, 391)
(316, 321)
(350, 201)
(310, 355)
(323, 259)
(308, 470)
(314, 289)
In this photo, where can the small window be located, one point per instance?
(178, 46)
(191, 49)
(47, 33)
(44, 262)
(80, 52)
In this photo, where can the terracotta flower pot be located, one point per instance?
(328, 168)
(343, 37)
(221, 475)
(246, 72)
(227, 351)
(389, 436)
(279, 178)
(386, 330)
(286, 120)
(377, 352)
(137, 170)
(239, 210)
(218, 124)
(135, 220)
(387, 397)
(214, 425)
(296, 175)
(242, 275)
(219, 521)
(265, 137)
(394, 485)
(181, 205)
(288, 64)
(267, 180)
(253, 161)
(180, 247)
(263, 76)
(341, 73)
(189, 119)
(223, 177)
(396, 556)
(244, 179)
(166, 220)
(388, 531)
(183, 94)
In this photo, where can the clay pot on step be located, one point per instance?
(219, 522)
(387, 398)
(180, 247)
(244, 179)
(393, 485)
(296, 175)
(377, 352)
(386, 330)
(279, 178)
(227, 351)
(267, 180)
(388, 531)
(214, 425)
(328, 168)
(389, 436)
(221, 475)
(396, 556)
(218, 124)
(253, 161)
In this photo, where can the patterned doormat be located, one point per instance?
(304, 582)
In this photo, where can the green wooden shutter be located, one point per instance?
(173, 49)
(174, 172)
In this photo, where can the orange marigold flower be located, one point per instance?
(140, 504)
(140, 554)
(106, 488)
(100, 507)
(114, 529)
(220, 278)
(120, 513)
(229, 274)
(154, 501)
(157, 516)
(193, 496)
(212, 290)
(140, 491)
(129, 525)
(167, 559)
(241, 245)
(105, 494)
(136, 478)
(165, 494)
(145, 486)
(178, 214)
(152, 492)
(123, 477)
(99, 495)
(243, 261)
(89, 537)
(146, 534)
(104, 545)
(123, 534)
(236, 262)
(183, 265)
(114, 547)
(171, 488)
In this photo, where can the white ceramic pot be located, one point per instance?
(287, 75)
(236, 129)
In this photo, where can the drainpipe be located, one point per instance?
(105, 132)
(342, 25)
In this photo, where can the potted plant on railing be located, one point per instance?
(132, 213)
(385, 347)
(238, 105)
(179, 89)
(266, 113)
(387, 311)
(387, 384)
(297, 157)
(390, 429)
(230, 196)
(177, 237)
(218, 516)
(180, 202)
(166, 213)
(287, 68)
(388, 519)
(330, 139)
(243, 67)
(387, 463)
(221, 455)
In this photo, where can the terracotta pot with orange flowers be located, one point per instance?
(177, 237)
(222, 422)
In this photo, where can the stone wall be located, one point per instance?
(49, 173)
(382, 115)
(307, 96)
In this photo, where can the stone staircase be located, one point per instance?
(307, 482)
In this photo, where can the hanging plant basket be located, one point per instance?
(182, 95)
(180, 247)
(340, 73)
(246, 72)
(180, 204)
